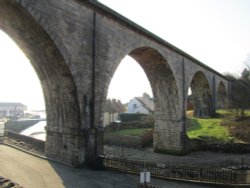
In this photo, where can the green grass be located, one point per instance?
(209, 129)
(130, 132)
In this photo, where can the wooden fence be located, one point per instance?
(214, 175)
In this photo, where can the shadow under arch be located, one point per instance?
(56, 80)
(201, 96)
(221, 96)
(169, 134)
(161, 79)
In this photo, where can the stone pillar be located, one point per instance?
(66, 145)
(169, 137)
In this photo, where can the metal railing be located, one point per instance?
(2, 128)
(197, 174)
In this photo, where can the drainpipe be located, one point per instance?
(97, 158)
(92, 119)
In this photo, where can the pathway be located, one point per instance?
(30, 172)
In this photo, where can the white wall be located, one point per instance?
(134, 106)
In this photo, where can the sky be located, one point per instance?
(216, 32)
(18, 79)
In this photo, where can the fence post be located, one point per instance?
(2, 128)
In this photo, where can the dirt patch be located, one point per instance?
(239, 128)
(140, 141)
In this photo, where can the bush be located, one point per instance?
(144, 139)
(129, 117)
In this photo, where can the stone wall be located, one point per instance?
(35, 143)
(19, 126)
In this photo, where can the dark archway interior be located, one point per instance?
(221, 96)
(162, 81)
(201, 96)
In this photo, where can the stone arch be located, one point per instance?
(168, 129)
(161, 79)
(56, 80)
(221, 96)
(201, 95)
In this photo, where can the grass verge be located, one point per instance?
(209, 130)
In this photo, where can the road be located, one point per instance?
(30, 171)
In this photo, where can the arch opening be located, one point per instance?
(62, 109)
(221, 94)
(129, 108)
(168, 134)
(22, 96)
(201, 96)
(130, 88)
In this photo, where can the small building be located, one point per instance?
(8, 109)
(112, 109)
(143, 105)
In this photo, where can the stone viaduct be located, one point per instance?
(75, 47)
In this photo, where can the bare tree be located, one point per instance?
(247, 62)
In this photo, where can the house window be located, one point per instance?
(134, 106)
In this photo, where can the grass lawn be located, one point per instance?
(208, 129)
(130, 132)
(211, 130)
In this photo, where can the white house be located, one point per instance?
(143, 105)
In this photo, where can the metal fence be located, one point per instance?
(198, 174)
(2, 128)
(147, 186)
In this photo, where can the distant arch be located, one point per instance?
(221, 96)
(201, 95)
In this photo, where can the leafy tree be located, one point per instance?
(245, 75)
(240, 93)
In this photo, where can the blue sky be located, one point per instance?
(216, 32)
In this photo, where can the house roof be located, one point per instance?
(146, 103)
(114, 106)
